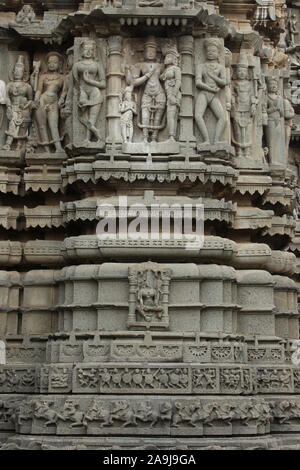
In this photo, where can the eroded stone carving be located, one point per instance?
(149, 290)
(128, 109)
(89, 80)
(210, 80)
(26, 16)
(172, 82)
(279, 110)
(19, 103)
(70, 412)
(243, 108)
(196, 344)
(154, 98)
(50, 93)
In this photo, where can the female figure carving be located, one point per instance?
(89, 78)
(19, 105)
(172, 79)
(49, 98)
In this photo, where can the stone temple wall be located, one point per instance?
(135, 343)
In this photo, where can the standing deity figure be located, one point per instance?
(49, 98)
(278, 112)
(172, 80)
(210, 80)
(154, 98)
(19, 106)
(89, 79)
(243, 108)
(128, 110)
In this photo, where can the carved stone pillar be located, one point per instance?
(4, 64)
(114, 85)
(186, 49)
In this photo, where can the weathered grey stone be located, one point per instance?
(149, 343)
(2, 353)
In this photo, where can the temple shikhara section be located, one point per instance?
(110, 341)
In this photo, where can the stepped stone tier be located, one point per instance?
(136, 343)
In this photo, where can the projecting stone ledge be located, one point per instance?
(129, 171)
(89, 247)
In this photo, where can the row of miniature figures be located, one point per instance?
(235, 104)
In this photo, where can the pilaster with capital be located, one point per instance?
(186, 49)
(114, 86)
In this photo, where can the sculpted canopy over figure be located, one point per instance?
(172, 80)
(210, 79)
(154, 98)
(19, 105)
(89, 79)
(49, 98)
(243, 108)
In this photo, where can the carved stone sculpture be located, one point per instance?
(49, 97)
(243, 108)
(19, 102)
(153, 101)
(210, 79)
(292, 29)
(128, 110)
(89, 80)
(164, 112)
(172, 82)
(149, 293)
(279, 110)
(26, 16)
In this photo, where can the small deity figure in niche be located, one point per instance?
(149, 295)
(153, 102)
(19, 102)
(147, 304)
(210, 79)
(90, 80)
(49, 98)
(150, 3)
(243, 108)
(127, 109)
(26, 16)
(278, 111)
(172, 80)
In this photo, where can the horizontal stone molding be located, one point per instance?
(146, 416)
(144, 379)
